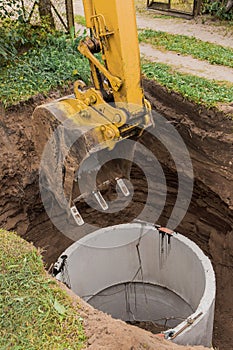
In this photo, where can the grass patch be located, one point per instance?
(162, 16)
(34, 312)
(79, 19)
(185, 45)
(39, 70)
(196, 89)
(17, 37)
(58, 63)
(140, 6)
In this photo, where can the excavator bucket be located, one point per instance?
(75, 163)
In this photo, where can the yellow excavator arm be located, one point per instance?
(114, 33)
(117, 79)
(114, 108)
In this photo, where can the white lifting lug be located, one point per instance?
(77, 216)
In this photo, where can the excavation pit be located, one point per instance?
(209, 219)
(138, 273)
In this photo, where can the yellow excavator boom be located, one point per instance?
(113, 24)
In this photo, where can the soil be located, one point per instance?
(209, 220)
(149, 326)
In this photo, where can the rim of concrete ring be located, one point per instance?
(210, 283)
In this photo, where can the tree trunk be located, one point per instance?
(45, 10)
(229, 5)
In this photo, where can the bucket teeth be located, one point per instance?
(77, 216)
(124, 189)
(100, 199)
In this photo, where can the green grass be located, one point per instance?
(196, 89)
(42, 69)
(163, 16)
(34, 312)
(80, 20)
(213, 53)
(58, 63)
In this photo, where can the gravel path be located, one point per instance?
(211, 33)
(187, 64)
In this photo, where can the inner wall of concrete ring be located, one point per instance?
(109, 257)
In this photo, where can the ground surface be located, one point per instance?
(201, 27)
(210, 32)
(209, 221)
(187, 64)
(32, 304)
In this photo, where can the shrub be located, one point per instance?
(218, 9)
(16, 37)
